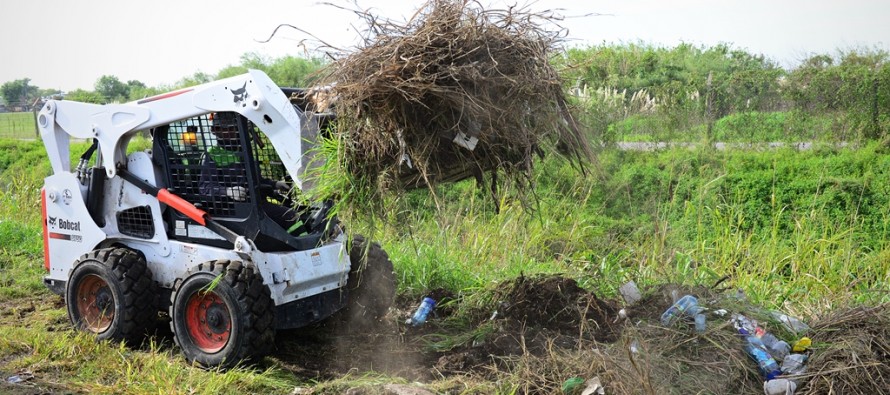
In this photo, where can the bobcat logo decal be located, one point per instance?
(240, 94)
(51, 221)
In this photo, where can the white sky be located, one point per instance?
(67, 44)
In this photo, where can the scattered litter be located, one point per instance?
(790, 323)
(423, 311)
(594, 387)
(630, 292)
(746, 326)
(759, 344)
(794, 364)
(779, 387)
(767, 365)
(21, 377)
(571, 385)
(685, 307)
(802, 345)
(497, 312)
(301, 391)
(721, 312)
(404, 389)
(700, 324)
(635, 347)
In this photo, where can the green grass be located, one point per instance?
(18, 125)
(803, 231)
(792, 228)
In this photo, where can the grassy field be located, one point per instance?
(801, 231)
(17, 125)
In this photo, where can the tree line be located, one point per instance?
(681, 88)
(286, 71)
(689, 86)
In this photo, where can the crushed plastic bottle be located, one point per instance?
(765, 362)
(423, 311)
(794, 364)
(777, 348)
(687, 306)
(744, 325)
(792, 324)
(779, 387)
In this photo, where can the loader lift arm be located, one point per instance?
(253, 95)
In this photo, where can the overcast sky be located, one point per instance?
(67, 44)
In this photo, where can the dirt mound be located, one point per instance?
(534, 316)
(453, 92)
(531, 334)
(558, 304)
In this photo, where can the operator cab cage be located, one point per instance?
(200, 156)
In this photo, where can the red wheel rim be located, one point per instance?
(208, 321)
(95, 303)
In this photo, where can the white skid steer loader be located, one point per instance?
(198, 226)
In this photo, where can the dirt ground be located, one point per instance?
(538, 332)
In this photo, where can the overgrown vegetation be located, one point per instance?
(804, 231)
(650, 93)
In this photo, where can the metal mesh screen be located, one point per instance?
(136, 222)
(206, 159)
(270, 166)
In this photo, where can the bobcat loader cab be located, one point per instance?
(194, 227)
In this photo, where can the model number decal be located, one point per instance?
(64, 236)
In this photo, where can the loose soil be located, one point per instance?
(536, 332)
(533, 316)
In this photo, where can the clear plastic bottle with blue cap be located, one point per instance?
(687, 306)
(423, 311)
(768, 366)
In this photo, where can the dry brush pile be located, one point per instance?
(452, 93)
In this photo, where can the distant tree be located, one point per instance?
(230, 71)
(137, 93)
(854, 85)
(111, 88)
(288, 71)
(50, 93)
(85, 96)
(19, 91)
(294, 72)
(131, 84)
(199, 77)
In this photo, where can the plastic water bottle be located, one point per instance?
(794, 364)
(777, 348)
(423, 311)
(790, 323)
(687, 306)
(765, 362)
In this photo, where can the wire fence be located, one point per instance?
(18, 125)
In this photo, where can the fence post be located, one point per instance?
(36, 128)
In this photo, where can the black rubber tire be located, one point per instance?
(115, 284)
(237, 309)
(371, 285)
